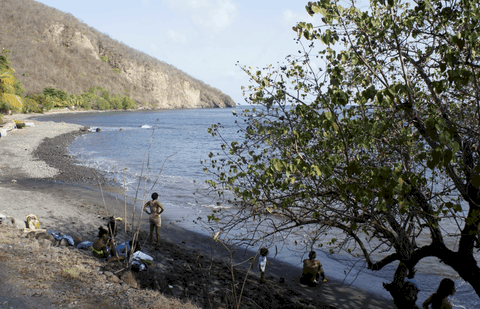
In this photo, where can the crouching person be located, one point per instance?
(103, 246)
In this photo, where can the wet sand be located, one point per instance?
(37, 176)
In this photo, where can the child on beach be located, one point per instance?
(262, 263)
(312, 270)
(156, 210)
(439, 299)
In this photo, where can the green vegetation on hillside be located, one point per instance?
(10, 87)
(11, 95)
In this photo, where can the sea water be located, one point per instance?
(161, 151)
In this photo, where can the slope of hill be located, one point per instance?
(51, 48)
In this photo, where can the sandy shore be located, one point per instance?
(65, 198)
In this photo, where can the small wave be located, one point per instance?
(216, 206)
(146, 126)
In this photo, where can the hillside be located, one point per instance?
(54, 49)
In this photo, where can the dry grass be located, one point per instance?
(69, 276)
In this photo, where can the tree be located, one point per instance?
(10, 87)
(381, 144)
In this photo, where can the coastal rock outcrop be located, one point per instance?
(51, 48)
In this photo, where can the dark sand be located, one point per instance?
(75, 200)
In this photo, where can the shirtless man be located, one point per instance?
(155, 210)
(312, 270)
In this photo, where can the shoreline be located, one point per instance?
(74, 199)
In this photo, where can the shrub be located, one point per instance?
(42, 102)
(10, 102)
(117, 102)
(128, 103)
(87, 100)
(52, 92)
(103, 104)
(31, 106)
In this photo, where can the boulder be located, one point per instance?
(129, 278)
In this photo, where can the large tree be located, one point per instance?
(380, 143)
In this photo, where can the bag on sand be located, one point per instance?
(32, 223)
(138, 266)
(142, 257)
(85, 245)
(59, 237)
(140, 261)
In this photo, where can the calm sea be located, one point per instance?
(160, 151)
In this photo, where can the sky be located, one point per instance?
(203, 38)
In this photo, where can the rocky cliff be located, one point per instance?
(54, 49)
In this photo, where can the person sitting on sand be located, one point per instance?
(262, 263)
(103, 246)
(156, 210)
(439, 299)
(312, 270)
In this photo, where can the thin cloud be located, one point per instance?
(291, 17)
(154, 47)
(176, 36)
(219, 16)
(188, 5)
(216, 15)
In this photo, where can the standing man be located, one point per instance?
(155, 210)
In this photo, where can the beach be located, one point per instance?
(38, 176)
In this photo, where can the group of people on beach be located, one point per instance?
(104, 245)
(312, 268)
(438, 300)
(405, 289)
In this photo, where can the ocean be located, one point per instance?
(161, 151)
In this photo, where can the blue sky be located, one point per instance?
(203, 38)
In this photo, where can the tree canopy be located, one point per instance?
(372, 130)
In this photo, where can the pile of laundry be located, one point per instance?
(139, 260)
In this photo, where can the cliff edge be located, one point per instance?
(51, 48)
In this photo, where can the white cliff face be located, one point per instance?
(167, 92)
(83, 41)
(57, 31)
(165, 88)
